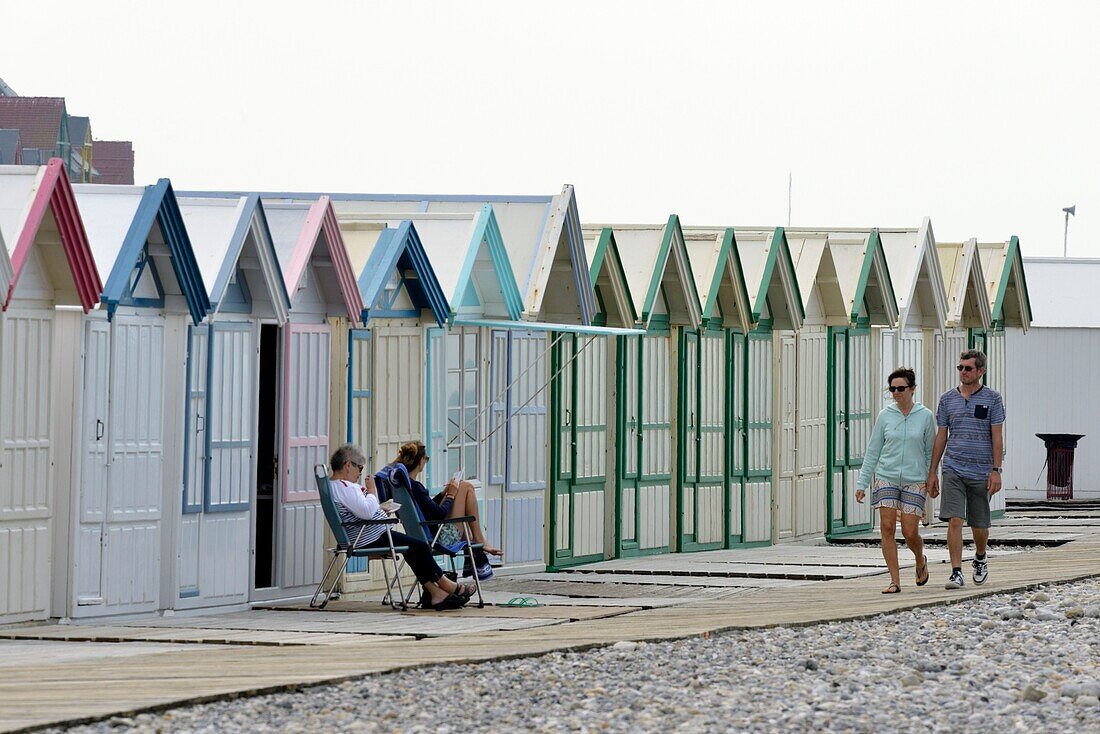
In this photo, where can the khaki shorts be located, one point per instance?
(965, 498)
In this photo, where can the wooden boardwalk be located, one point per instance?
(52, 674)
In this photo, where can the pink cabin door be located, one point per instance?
(304, 443)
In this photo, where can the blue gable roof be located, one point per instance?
(400, 248)
(158, 205)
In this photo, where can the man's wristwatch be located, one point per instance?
(997, 469)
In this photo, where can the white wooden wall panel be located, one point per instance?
(301, 544)
(758, 512)
(131, 577)
(589, 519)
(195, 440)
(399, 394)
(528, 456)
(231, 416)
(653, 516)
(25, 464)
(523, 528)
(656, 459)
(592, 419)
(188, 570)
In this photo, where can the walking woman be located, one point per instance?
(895, 467)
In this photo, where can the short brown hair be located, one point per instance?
(975, 354)
(906, 373)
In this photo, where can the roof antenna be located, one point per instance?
(790, 188)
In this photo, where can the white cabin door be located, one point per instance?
(305, 424)
(26, 409)
(92, 486)
(135, 470)
(527, 450)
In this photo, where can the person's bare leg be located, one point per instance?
(981, 539)
(955, 541)
(887, 525)
(466, 506)
(910, 530)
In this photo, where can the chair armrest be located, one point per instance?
(386, 521)
(450, 520)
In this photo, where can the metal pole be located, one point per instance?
(1065, 237)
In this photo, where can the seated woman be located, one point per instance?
(356, 503)
(454, 501)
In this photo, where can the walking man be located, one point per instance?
(971, 419)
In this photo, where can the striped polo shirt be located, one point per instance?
(969, 423)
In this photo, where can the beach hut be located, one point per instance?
(1009, 307)
(711, 408)
(827, 399)
(117, 487)
(916, 272)
(232, 410)
(384, 403)
(311, 351)
(658, 279)
(466, 252)
(776, 308)
(46, 263)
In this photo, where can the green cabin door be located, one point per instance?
(702, 498)
(736, 390)
(850, 403)
(759, 487)
(578, 449)
(645, 448)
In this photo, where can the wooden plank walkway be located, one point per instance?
(44, 682)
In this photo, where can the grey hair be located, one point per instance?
(349, 453)
(975, 354)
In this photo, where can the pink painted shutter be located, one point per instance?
(305, 419)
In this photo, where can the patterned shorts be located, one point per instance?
(907, 498)
(449, 535)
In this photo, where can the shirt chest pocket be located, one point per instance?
(981, 412)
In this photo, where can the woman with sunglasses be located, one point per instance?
(355, 503)
(895, 467)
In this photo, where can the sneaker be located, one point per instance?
(955, 582)
(981, 570)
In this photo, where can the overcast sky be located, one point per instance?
(983, 116)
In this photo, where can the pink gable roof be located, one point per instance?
(322, 220)
(55, 193)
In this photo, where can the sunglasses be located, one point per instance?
(360, 467)
(965, 368)
(903, 388)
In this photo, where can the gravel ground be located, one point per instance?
(1028, 661)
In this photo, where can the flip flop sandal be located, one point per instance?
(924, 566)
(892, 589)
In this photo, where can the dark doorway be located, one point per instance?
(267, 457)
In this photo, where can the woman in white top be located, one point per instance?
(357, 503)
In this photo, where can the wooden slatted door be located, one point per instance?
(788, 445)
(810, 482)
(92, 483)
(304, 432)
(26, 409)
(527, 472)
(851, 404)
(759, 380)
(628, 406)
(736, 388)
(221, 422)
(646, 414)
(579, 449)
(703, 493)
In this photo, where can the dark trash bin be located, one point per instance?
(1060, 448)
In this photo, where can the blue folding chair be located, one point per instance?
(397, 481)
(345, 549)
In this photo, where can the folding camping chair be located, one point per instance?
(400, 487)
(345, 549)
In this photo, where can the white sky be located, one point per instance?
(980, 115)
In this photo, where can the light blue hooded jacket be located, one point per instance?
(900, 448)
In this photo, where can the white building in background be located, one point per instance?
(1050, 376)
